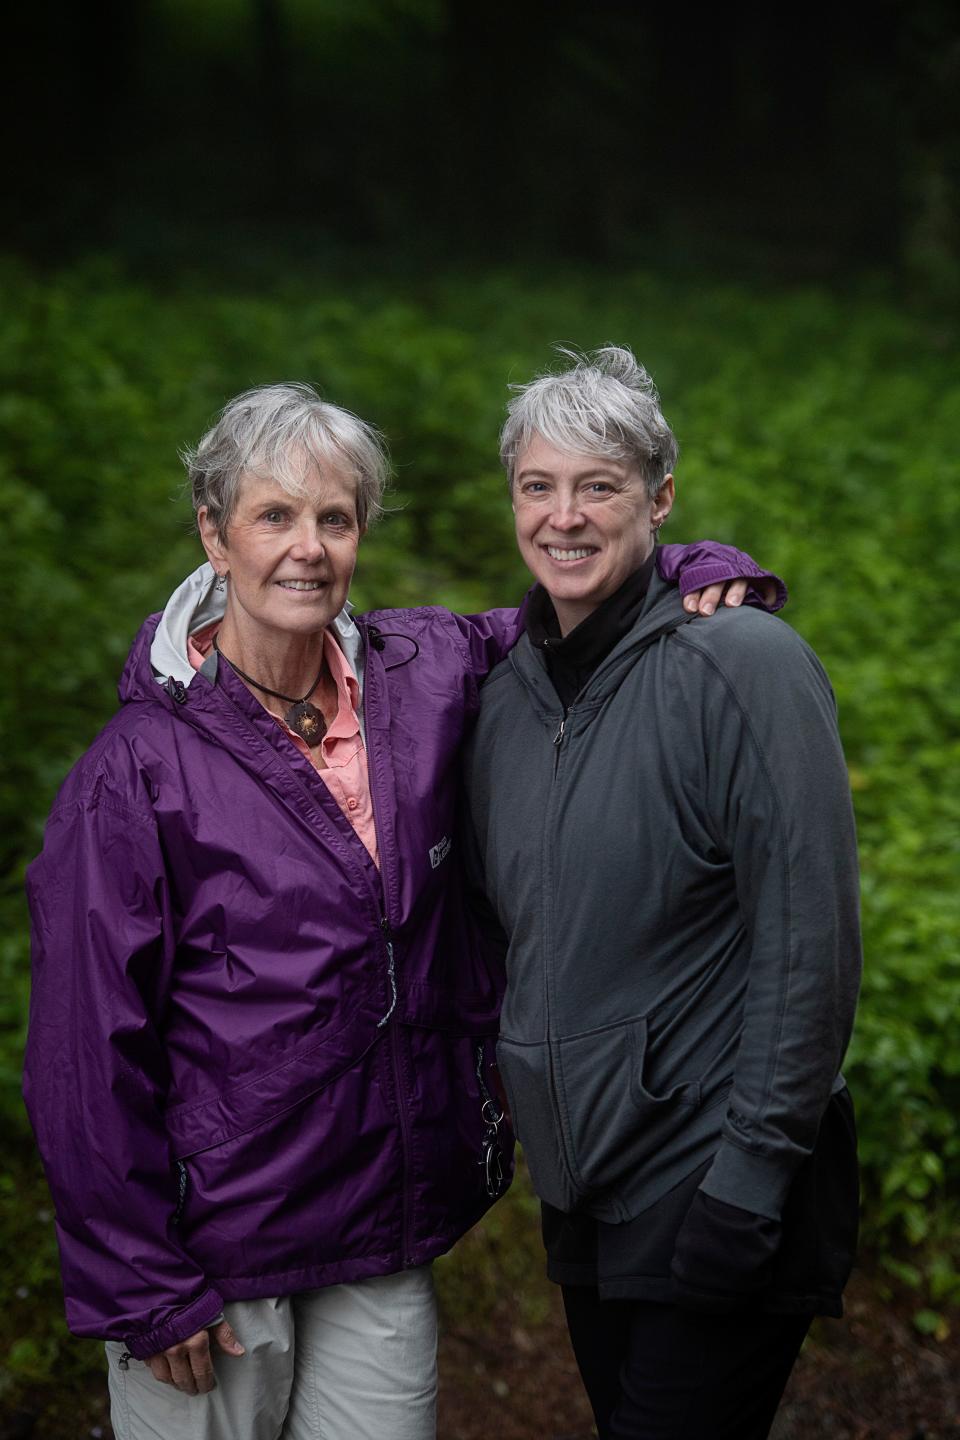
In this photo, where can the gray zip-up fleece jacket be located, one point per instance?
(674, 865)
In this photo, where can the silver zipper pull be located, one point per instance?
(124, 1361)
(392, 977)
(558, 738)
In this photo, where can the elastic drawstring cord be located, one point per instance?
(379, 638)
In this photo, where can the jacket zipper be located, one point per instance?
(179, 694)
(546, 852)
(557, 743)
(386, 932)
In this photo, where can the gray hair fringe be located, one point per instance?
(605, 405)
(274, 431)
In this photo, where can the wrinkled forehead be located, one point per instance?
(299, 472)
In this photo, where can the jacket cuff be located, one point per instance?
(717, 572)
(181, 1325)
(751, 1182)
(706, 562)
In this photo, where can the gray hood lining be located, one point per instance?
(196, 603)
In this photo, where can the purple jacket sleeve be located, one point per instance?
(706, 562)
(489, 636)
(96, 1077)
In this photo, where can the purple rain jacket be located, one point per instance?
(256, 1064)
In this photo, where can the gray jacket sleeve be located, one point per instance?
(778, 801)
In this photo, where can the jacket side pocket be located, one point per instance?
(686, 1092)
(613, 1123)
(525, 1071)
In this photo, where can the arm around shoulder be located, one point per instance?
(706, 563)
(489, 637)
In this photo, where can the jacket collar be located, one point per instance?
(662, 611)
(573, 658)
(197, 602)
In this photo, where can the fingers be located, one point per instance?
(224, 1337)
(191, 1366)
(731, 592)
(187, 1366)
(703, 601)
(735, 592)
(159, 1369)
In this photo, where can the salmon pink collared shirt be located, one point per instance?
(340, 759)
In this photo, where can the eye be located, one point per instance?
(533, 487)
(274, 517)
(600, 487)
(337, 520)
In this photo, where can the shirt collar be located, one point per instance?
(590, 641)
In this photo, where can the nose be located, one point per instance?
(307, 542)
(566, 512)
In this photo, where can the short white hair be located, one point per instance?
(606, 404)
(279, 432)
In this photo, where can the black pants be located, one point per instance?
(656, 1372)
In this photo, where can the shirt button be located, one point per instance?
(352, 803)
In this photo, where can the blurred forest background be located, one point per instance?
(408, 204)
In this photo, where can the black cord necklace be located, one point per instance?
(302, 718)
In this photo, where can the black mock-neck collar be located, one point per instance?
(572, 658)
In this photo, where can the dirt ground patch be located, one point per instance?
(867, 1377)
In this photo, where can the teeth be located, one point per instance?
(556, 553)
(299, 584)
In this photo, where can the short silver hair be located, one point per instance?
(275, 432)
(605, 405)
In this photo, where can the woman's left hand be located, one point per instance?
(723, 1255)
(188, 1365)
(731, 592)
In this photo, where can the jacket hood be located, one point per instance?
(160, 653)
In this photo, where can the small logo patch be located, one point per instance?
(439, 852)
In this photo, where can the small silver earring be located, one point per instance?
(221, 582)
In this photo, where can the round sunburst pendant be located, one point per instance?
(302, 718)
(306, 721)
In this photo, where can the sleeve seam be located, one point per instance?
(785, 869)
(93, 799)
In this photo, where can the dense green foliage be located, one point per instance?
(817, 432)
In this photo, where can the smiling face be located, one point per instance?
(290, 558)
(584, 524)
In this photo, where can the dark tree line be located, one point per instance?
(447, 128)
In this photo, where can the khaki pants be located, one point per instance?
(352, 1362)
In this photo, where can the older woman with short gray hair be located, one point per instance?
(262, 1027)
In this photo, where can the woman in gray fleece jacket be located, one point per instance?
(662, 824)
